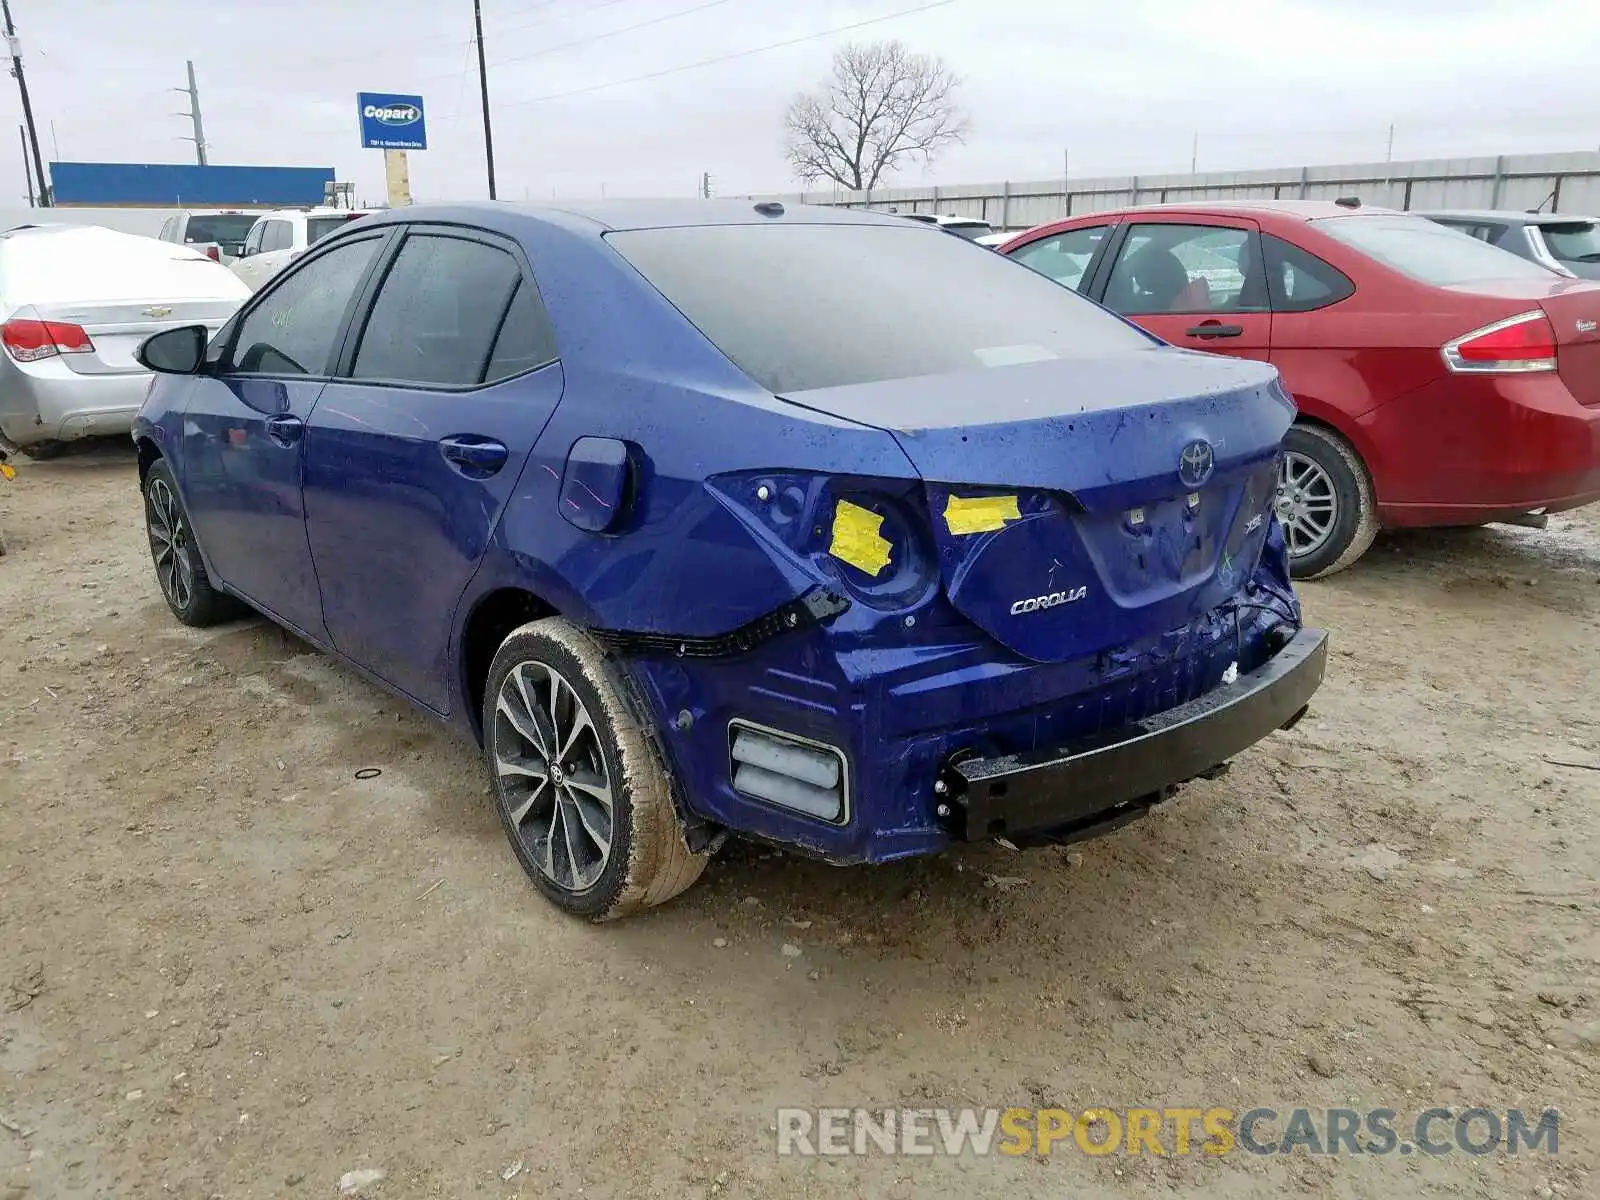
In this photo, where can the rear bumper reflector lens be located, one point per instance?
(791, 772)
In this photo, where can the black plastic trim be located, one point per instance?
(1090, 782)
(817, 607)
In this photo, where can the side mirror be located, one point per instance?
(178, 351)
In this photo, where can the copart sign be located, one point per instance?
(391, 122)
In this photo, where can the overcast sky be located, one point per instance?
(1122, 85)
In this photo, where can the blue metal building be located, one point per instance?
(180, 185)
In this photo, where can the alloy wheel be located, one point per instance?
(551, 775)
(170, 545)
(1306, 503)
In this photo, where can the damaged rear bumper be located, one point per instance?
(1088, 787)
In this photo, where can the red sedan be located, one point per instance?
(1440, 381)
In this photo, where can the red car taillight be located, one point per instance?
(1526, 342)
(213, 254)
(28, 340)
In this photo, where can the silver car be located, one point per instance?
(76, 302)
(1566, 243)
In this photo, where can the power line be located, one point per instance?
(722, 58)
(610, 33)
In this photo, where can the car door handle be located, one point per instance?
(285, 429)
(1214, 329)
(474, 456)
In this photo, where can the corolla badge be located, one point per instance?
(393, 114)
(1035, 603)
(1195, 463)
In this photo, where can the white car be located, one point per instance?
(76, 302)
(971, 228)
(278, 238)
(215, 232)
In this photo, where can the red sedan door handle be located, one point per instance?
(1214, 329)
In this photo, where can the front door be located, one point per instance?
(244, 432)
(415, 449)
(1196, 285)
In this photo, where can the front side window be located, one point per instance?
(801, 306)
(1164, 268)
(1428, 252)
(252, 243)
(1066, 256)
(293, 328)
(279, 236)
(437, 313)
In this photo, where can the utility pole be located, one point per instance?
(199, 138)
(1388, 154)
(1194, 154)
(27, 105)
(483, 87)
(27, 168)
(705, 185)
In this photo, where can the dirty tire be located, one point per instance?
(647, 862)
(189, 595)
(1356, 521)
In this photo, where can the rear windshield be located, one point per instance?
(318, 228)
(1574, 241)
(1428, 252)
(226, 229)
(972, 230)
(813, 306)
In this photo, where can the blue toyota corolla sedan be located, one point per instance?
(713, 518)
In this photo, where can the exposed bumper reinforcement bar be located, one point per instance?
(1089, 787)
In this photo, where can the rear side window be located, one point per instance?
(799, 306)
(438, 312)
(525, 340)
(318, 228)
(279, 235)
(1299, 281)
(1428, 252)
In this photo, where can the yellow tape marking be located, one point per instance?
(979, 514)
(856, 539)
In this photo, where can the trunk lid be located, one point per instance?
(1573, 306)
(1079, 505)
(118, 328)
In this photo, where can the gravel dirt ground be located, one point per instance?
(228, 968)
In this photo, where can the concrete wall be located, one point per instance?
(126, 220)
(1568, 183)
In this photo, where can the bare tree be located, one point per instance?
(881, 107)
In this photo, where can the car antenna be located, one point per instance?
(1348, 201)
(770, 208)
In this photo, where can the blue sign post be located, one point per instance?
(391, 122)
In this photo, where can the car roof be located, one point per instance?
(1295, 210)
(603, 216)
(1506, 215)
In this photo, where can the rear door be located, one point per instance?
(244, 431)
(444, 386)
(1196, 282)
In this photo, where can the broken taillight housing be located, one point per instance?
(871, 535)
(1516, 345)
